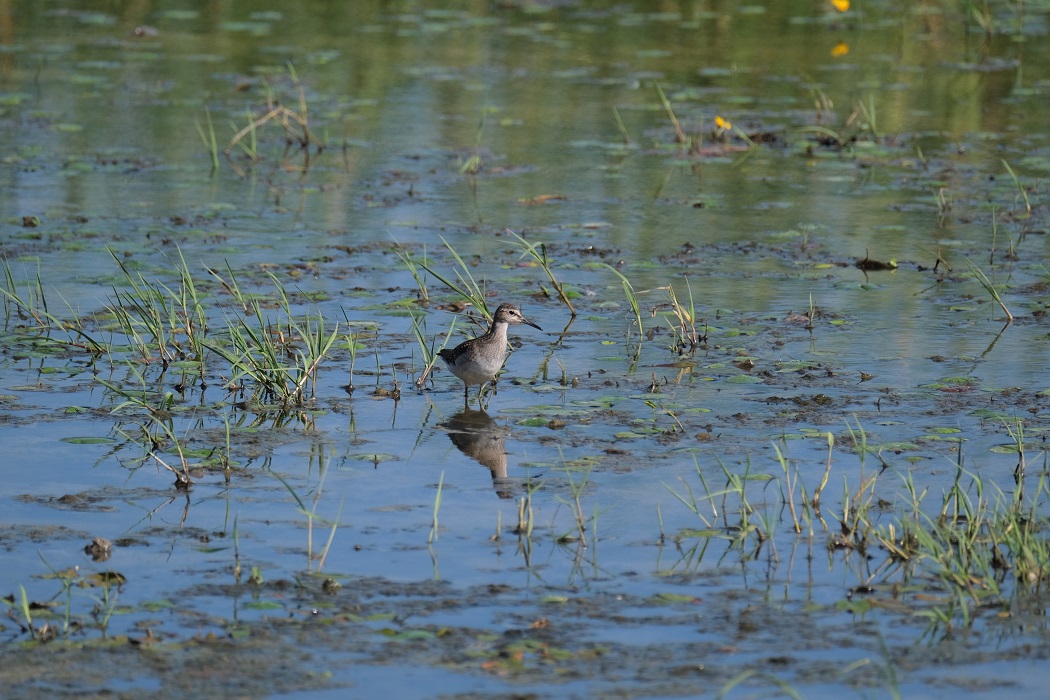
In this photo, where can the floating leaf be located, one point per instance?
(857, 606)
(105, 578)
(379, 617)
(634, 434)
(1010, 448)
(989, 414)
(88, 440)
(893, 447)
(183, 15)
(934, 436)
(744, 379)
(698, 534)
(406, 635)
(533, 422)
(670, 598)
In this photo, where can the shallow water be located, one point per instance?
(102, 147)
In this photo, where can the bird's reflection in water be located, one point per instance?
(483, 440)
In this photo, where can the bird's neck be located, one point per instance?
(498, 329)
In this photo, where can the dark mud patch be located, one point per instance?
(314, 634)
(14, 536)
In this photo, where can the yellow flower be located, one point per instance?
(722, 124)
(840, 5)
(840, 49)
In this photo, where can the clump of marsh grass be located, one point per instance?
(24, 607)
(162, 323)
(984, 548)
(50, 619)
(274, 353)
(30, 304)
(1022, 194)
(526, 521)
(538, 252)
(472, 165)
(464, 284)
(686, 338)
(232, 287)
(280, 356)
(632, 300)
(430, 353)
(273, 356)
(353, 344)
(294, 122)
(861, 124)
(695, 144)
(990, 287)
(410, 264)
(209, 140)
(621, 127)
(679, 133)
(733, 500)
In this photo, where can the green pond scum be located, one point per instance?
(784, 432)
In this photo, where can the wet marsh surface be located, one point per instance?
(812, 461)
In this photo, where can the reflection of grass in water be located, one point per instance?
(437, 508)
(312, 517)
(576, 488)
(156, 433)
